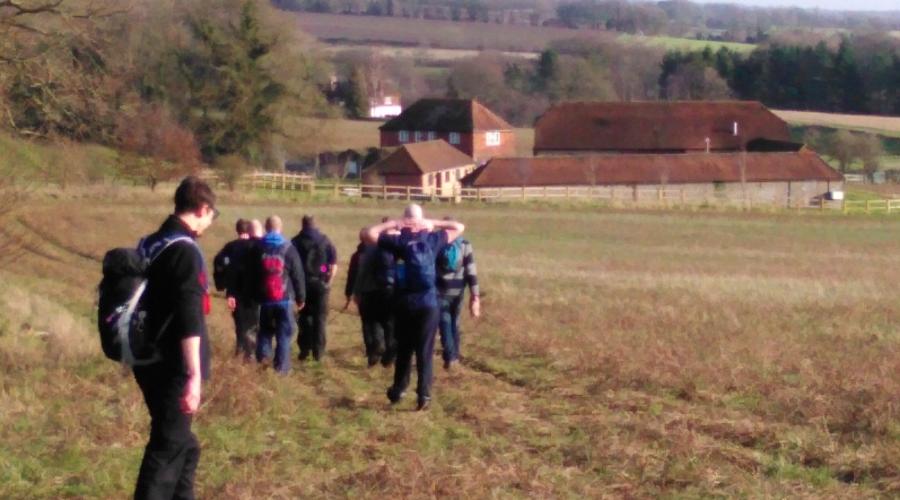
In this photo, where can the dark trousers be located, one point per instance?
(415, 331)
(246, 322)
(377, 317)
(275, 321)
(449, 326)
(172, 453)
(312, 321)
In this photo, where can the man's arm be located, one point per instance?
(369, 235)
(452, 227)
(298, 280)
(470, 277)
(190, 350)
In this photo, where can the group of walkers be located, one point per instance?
(407, 277)
(266, 277)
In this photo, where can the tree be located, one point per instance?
(357, 98)
(157, 147)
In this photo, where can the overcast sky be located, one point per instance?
(868, 5)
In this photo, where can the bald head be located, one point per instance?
(273, 224)
(413, 211)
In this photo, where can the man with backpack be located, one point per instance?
(415, 248)
(176, 301)
(229, 274)
(278, 274)
(456, 271)
(319, 259)
(370, 281)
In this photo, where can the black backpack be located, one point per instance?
(121, 311)
(314, 253)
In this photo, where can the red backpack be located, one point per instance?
(274, 286)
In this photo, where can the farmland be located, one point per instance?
(341, 29)
(686, 354)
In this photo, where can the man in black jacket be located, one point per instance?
(231, 276)
(177, 302)
(319, 265)
(278, 274)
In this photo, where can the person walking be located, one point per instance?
(370, 281)
(230, 275)
(416, 300)
(456, 272)
(319, 259)
(177, 301)
(278, 273)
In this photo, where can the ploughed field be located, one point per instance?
(620, 354)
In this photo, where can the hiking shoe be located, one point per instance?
(303, 356)
(373, 360)
(393, 396)
(423, 403)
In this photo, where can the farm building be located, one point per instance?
(385, 106)
(776, 178)
(465, 124)
(435, 167)
(658, 127)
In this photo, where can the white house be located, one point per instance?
(385, 107)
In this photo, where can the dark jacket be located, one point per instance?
(230, 266)
(177, 292)
(320, 239)
(292, 274)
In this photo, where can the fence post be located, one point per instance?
(478, 194)
(822, 203)
(284, 181)
(408, 193)
(523, 192)
(868, 206)
(384, 191)
(335, 189)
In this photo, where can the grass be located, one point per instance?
(888, 126)
(621, 354)
(432, 34)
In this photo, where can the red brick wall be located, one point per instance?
(483, 152)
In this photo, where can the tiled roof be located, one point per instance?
(422, 158)
(651, 169)
(447, 115)
(656, 126)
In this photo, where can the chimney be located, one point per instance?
(706, 140)
(735, 133)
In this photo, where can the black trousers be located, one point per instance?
(312, 321)
(246, 323)
(416, 330)
(377, 317)
(172, 453)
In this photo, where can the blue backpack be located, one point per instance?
(451, 257)
(415, 266)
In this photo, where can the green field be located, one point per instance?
(621, 354)
(429, 34)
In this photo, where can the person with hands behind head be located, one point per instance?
(415, 248)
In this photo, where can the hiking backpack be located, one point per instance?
(314, 253)
(274, 285)
(415, 266)
(121, 307)
(451, 257)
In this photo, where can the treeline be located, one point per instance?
(172, 83)
(726, 22)
(860, 75)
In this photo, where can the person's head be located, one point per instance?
(242, 227)
(256, 229)
(273, 224)
(413, 211)
(195, 204)
(308, 222)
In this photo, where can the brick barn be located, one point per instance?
(658, 127)
(435, 167)
(465, 124)
(776, 178)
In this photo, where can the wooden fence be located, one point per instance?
(624, 196)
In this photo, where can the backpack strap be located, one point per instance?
(157, 248)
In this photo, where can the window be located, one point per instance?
(432, 136)
(492, 138)
(447, 176)
(420, 136)
(403, 136)
(454, 138)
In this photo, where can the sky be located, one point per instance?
(859, 5)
